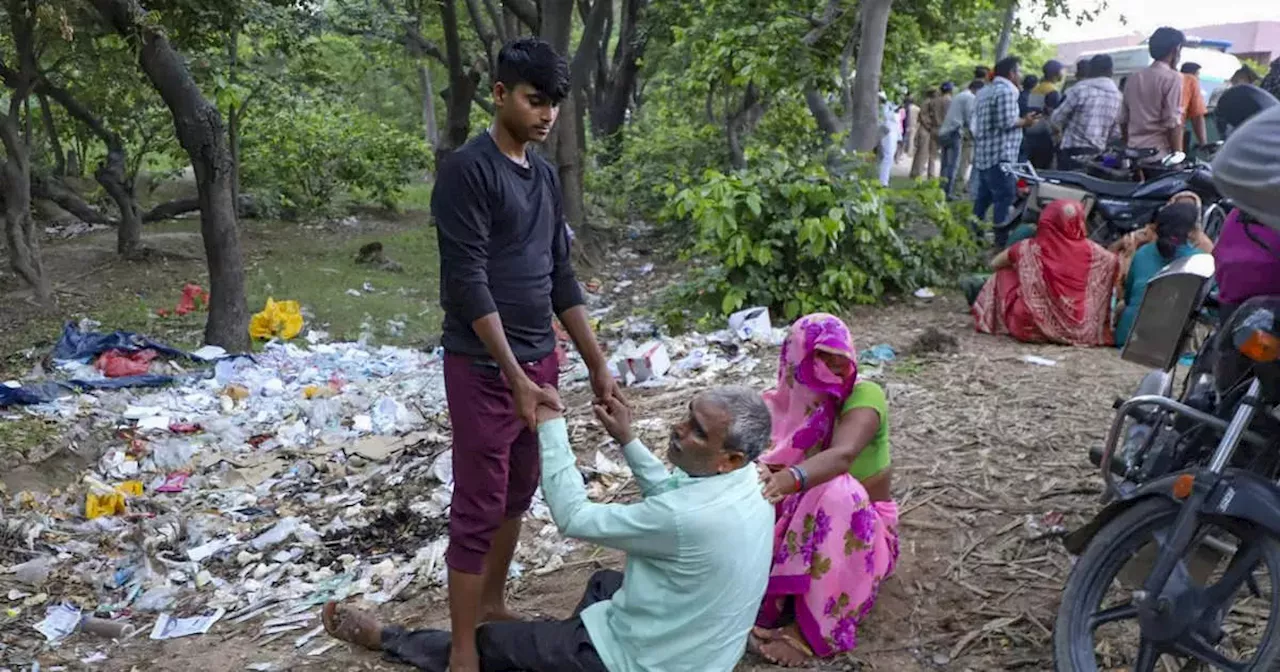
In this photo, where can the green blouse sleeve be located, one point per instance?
(875, 457)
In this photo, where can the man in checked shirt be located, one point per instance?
(1090, 116)
(997, 138)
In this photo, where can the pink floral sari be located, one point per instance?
(832, 545)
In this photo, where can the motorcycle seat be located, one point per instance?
(1096, 185)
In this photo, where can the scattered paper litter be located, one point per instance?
(168, 627)
(323, 649)
(1039, 361)
(59, 622)
(302, 640)
(924, 293)
(209, 353)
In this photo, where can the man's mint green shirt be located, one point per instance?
(698, 558)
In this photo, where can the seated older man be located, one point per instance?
(698, 546)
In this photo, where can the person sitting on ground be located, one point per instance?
(1129, 244)
(1176, 225)
(698, 551)
(836, 538)
(1053, 288)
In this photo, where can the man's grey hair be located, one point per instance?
(750, 424)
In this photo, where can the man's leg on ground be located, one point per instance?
(1004, 189)
(602, 585)
(982, 195)
(485, 425)
(962, 170)
(917, 159)
(950, 159)
(935, 156)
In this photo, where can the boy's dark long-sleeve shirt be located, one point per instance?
(504, 247)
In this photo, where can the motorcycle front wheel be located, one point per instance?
(1136, 535)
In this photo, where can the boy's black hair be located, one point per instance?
(535, 62)
(1083, 69)
(981, 72)
(1102, 66)
(1164, 41)
(1006, 66)
(1190, 68)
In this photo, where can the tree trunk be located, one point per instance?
(21, 236)
(740, 123)
(54, 190)
(429, 127)
(614, 95)
(567, 143)
(112, 173)
(864, 132)
(1006, 30)
(55, 144)
(463, 83)
(233, 145)
(200, 132)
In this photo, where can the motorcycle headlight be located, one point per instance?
(1249, 344)
(1254, 338)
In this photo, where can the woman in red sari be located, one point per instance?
(1052, 288)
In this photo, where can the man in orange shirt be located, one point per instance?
(1193, 106)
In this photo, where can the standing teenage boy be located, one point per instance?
(504, 273)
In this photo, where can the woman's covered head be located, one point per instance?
(819, 354)
(1063, 217)
(1174, 224)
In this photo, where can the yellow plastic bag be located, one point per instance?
(281, 319)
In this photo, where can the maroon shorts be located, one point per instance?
(495, 456)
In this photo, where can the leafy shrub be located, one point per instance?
(318, 157)
(788, 234)
(660, 148)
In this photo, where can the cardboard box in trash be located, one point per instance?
(645, 362)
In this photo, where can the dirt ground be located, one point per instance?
(988, 450)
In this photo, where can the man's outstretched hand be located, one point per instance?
(605, 386)
(616, 418)
(530, 398)
(550, 407)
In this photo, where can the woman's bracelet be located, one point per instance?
(802, 479)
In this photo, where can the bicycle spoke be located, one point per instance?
(1201, 650)
(1119, 613)
(1147, 657)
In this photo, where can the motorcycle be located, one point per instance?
(1195, 502)
(1116, 208)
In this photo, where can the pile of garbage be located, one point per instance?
(251, 489)
(243, 489)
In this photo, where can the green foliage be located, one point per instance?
(790, 235)
(316, 158)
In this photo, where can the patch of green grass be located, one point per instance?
(19, 433)
(319, 272)
(416, 196)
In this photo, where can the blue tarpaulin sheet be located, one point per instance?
(84, 346)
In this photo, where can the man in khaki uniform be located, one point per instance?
(926, 163)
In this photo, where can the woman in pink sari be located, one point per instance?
(828, 473)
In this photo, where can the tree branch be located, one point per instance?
(589, 44)
(832, 12)
(495, 15)
(525, 10)
(413, 38)
(487, 36)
